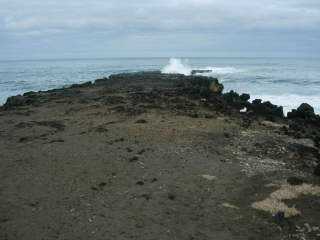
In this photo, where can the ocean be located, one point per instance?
(283, 81)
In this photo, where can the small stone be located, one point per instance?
(171, 196)
(279, 217)
(228, 205)
(209, 177)
(134, 159)
(146, 196)
(102, 184)
(140, 183)
(141, 152)
(141, 121)
(226, 135)
(154, 180)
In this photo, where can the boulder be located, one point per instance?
(266, 109)
(15, 101)
(304, 111)
(200, 86)
(216, 87)
(236, 100)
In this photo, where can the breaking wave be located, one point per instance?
(178, 66)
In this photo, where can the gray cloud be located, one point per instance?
(165, 15)
(141, 20)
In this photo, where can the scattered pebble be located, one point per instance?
(140, 183)
(228, 205)
(141, 121)
(134, 159)
(209, 177)
(171, 196)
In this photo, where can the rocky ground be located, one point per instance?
(155, 156)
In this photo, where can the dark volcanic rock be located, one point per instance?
(304, 111)
(15, 101)
(266, 109)
(304, 123)
(199, 86)
(81, 85)
(193, 72)
(236, 100)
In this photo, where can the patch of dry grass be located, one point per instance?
(274, 203)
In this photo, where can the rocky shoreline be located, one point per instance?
(157, 156)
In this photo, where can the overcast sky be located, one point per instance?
(31, 29)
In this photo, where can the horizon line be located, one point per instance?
(182, 57)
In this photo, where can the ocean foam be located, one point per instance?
(179, 66)
(221, 70)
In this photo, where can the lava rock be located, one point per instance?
(234, 99)
(193, 72)
(304, 111)
(81, 85)
(215, 87)
(266, 109)
(15, 101)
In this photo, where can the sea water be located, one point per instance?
(283, 81)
